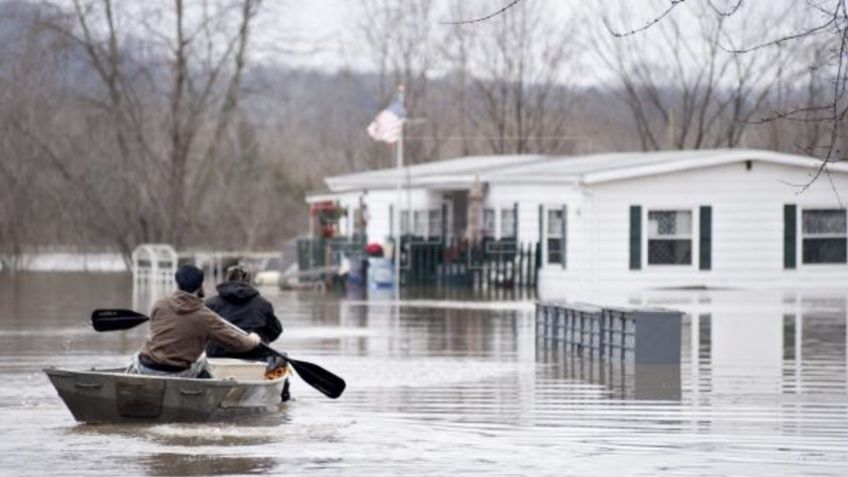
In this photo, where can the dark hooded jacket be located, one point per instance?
(242, 305)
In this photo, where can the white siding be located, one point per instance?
(747, 230)
(379, 221)
(380, 202)
(529, 198)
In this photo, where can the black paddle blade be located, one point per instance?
(114, 320)
(319, 378)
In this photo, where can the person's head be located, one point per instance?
(189, 279)
(238, 273)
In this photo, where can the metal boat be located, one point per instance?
(110, 395)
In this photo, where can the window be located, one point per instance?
(555, 238)
(488, 223)
(419, 223)
(435, 223)
(824, 236)
(670, 237)
(404, 222)
(508, 223)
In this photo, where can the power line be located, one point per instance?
(499, 138)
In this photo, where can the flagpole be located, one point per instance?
(399, 201)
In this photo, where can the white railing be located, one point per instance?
(153, 269)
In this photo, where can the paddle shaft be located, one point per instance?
(261, 345)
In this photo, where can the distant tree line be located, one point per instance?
(131, 122)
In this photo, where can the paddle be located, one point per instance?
(319, 378)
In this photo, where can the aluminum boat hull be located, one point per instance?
(112, 396)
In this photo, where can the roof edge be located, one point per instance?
(700, 162)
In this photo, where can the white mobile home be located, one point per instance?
(708, 218)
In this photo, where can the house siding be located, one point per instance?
(529, 198)
(380, 202)
(747, 230)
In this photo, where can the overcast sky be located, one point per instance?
(326, 33)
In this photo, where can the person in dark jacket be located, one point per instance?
(242, 305)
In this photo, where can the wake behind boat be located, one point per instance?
(112, 396)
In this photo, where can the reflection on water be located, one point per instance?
(443, 387)
(622, 380)
(181, 464)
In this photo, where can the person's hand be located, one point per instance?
(255, 339)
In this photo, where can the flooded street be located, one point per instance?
(450, 388)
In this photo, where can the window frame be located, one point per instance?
(500, 216)
(405, 226)
(694, 236)
(420, 217)
(800, 236)
(493, 233)
(548, 237)
(437, 212)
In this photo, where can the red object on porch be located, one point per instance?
(374, 250)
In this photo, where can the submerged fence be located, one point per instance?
(641, 336)
(633, 352)
(460, 264)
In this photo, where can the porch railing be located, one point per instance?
(489, 264)
(458, 263)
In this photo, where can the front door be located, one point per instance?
(457, 213)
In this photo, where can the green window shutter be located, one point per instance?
(444, 223)
(706, 239)
(635, 237)
(790, 228)
(515, 218)
(542, 235)
(564, 234)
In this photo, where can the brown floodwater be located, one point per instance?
(456, 385)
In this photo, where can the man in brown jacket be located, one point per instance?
(180, 326)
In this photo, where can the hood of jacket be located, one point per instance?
(236, 292)
(184, 302)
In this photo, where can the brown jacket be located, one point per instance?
(180, 326)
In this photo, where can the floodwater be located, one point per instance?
(448, 387)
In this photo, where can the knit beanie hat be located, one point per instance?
(189, 278)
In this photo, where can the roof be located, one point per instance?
(587, 170)
(460, 168)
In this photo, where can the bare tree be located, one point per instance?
(684, 90)
(404, 48)
(828, 28)
(28, 193)
(168, 121)
(520, 61)
(456, 48)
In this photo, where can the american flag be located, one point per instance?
(387, 126)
